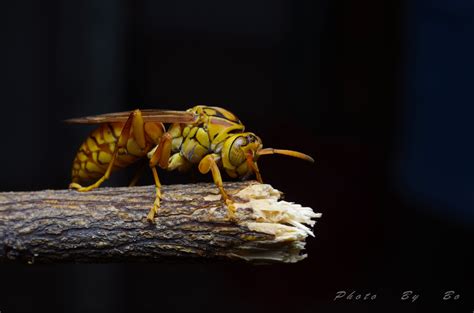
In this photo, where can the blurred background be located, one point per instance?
(379, 92)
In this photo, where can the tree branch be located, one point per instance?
(109, 225)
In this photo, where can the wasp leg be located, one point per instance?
(154, 209)
(162, 153)
(253, 165)
(135, 120)
(209, 163)
(159, 157)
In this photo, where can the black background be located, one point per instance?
(377, 91)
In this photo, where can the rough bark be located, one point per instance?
(109, 225)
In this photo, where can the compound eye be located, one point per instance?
(241, 141)
(252, 138)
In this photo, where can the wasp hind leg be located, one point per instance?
(135, 120)
(159, 157)
(208, 163)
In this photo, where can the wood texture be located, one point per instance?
(109, 225)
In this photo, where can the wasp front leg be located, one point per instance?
(135, 123)
(209, 163)
(252, 164)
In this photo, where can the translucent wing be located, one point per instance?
(149, 115)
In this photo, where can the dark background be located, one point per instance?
(379, 92)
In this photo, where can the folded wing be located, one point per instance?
(149, 115)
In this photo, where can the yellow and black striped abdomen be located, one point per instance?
(95, 153)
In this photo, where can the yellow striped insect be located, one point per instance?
(209, 137)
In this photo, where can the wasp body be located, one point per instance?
(210, 137)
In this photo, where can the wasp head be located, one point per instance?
(241, 152)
